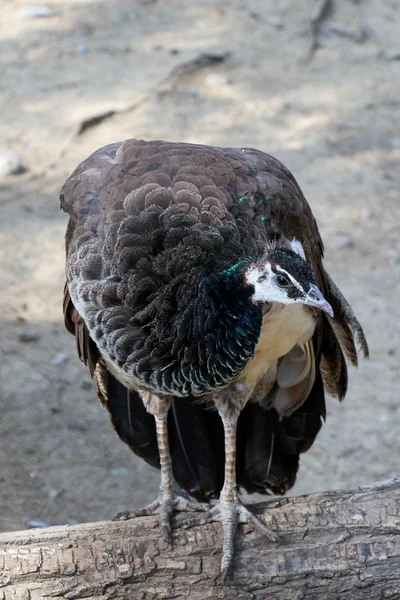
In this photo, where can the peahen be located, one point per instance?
(197, 295)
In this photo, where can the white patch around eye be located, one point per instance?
(266, 288)
(293, 281)
(261, 280)
(298, 248)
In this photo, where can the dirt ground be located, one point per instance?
(225, 72)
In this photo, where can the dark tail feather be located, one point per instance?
(134, 425)
(269, 447)
(197, 448)
(255, 448)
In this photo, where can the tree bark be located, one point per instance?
(334, 545)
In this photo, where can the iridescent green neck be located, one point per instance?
(235, 269)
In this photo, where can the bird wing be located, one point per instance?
(86, 348)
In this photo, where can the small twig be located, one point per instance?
(359, 37)
(363, 31)
(93, 121)
(320, 11)
(204, 60)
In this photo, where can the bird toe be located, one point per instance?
(245, 516)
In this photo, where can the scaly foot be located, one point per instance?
(230, 514)
(165, 505)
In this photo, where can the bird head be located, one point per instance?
(283, 276)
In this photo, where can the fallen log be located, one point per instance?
(334, 545)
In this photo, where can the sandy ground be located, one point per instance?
(98, 71)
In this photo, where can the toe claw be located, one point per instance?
(167, 532)
(146, 511)
(224, 574)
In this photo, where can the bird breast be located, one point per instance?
(283, 327)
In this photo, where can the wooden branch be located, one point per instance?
(334, 545)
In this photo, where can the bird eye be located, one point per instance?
(282, 281)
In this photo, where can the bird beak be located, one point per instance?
(315, 298)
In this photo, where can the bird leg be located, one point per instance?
(170, 498)
(229, 510)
